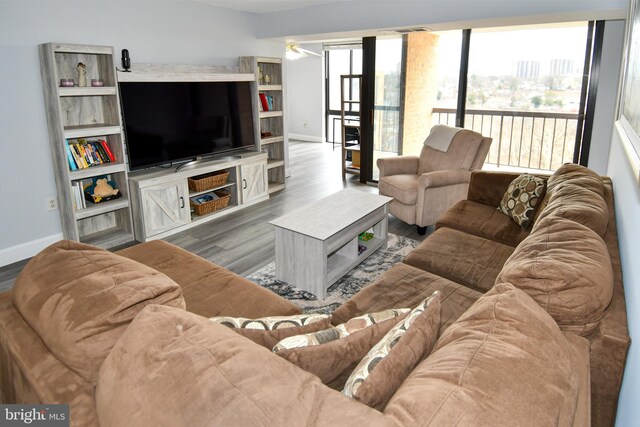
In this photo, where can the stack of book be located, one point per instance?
(82, 154)
(266, 102)
(77, 191)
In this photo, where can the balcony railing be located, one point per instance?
(523, 139)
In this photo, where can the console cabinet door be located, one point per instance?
(165, 206)
(254, 181)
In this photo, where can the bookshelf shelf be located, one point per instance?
(266, 114)
(271, 140)
(87, 131)
(269, 83)
(266, 88)
(97, 170)
(274, 163)
(87, 91)
(275, 186)
(93, 113)
(101, 208)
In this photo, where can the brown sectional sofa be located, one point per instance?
(33, 366)
(569, 263)
(519, 345)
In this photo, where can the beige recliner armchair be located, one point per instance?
(424, 187)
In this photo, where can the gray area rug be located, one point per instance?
(365, 273)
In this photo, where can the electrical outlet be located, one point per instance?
(52, 204)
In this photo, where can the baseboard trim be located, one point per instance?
(308, 138)
(26, 250)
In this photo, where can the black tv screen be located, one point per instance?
(169, 122)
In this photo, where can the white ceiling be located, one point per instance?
(266, 6)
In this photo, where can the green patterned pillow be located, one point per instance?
(380, 373)
(340, 331)
(521, 199)
(270, 323)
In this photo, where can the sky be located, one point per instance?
(493, 52)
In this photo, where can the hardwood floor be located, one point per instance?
(244, 242)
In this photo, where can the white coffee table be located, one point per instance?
(318, 244)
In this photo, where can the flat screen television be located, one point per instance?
(171, 122)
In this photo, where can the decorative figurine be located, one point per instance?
(82, 74)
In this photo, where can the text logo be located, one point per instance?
(34, 415)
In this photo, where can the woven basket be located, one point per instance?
(208, 181)
(214, 205)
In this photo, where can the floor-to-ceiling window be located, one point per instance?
(386, 108)
(524, 86)
(524, 89)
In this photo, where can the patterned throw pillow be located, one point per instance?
(377, 377)
(333, 359)
(521, 199)
(340, 331)
(270, 323)
(268, 331)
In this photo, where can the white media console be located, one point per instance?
(160, 198)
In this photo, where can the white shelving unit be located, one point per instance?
(91, 113)
(269, 122)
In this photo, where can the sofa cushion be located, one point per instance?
(403, 188)
(389, 362)
(578, 175)
(483, 221)
(578, 204)
(460, 154)
(79, 299)
(566, 268)
(503, 363)
(334, 360)
(406, 286)
(268, 331)
(174, 368)
(522, 198)
(461, 257)
(29, 372)
(208, 289)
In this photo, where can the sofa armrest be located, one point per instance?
(444, 178)
(398, 165)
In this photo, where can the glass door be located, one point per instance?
(387, 98)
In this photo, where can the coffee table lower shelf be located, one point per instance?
(338, 264)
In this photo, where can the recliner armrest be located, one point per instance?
(444, 178)
(398, 165)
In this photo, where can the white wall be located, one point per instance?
(154, 32)
(306, 96)
(627, 201)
